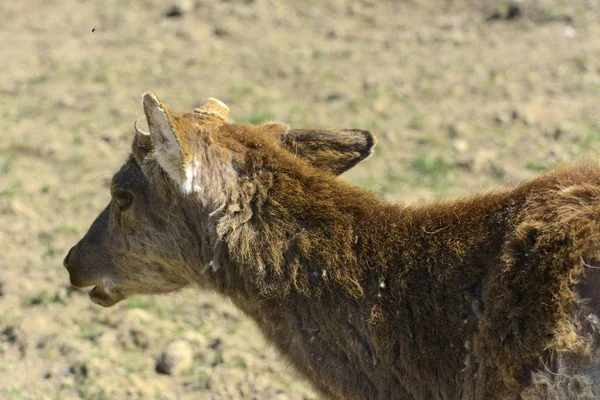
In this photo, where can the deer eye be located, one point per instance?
(123, 197)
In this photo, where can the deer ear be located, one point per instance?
(335, 151)
(168, 144)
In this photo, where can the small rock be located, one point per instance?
(369, 83)
(216, 344)
(456, 130)
(107, 137)
(176, 357)
(514, 11)
(558, 133)
(528, 120)
(66, 101)
(334, 96)
(515, 114)
(500, 119)
(62, 295)
(174, 11)
(221, 31)
(460, 145)
(178, 10)
(1, 289)
(570, 31)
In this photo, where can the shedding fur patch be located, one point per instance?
(572, 372)
(191, 181)
(549, 386)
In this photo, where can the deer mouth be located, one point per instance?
(79, 282)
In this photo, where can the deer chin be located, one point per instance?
(104, 297)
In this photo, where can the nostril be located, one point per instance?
(66, 260)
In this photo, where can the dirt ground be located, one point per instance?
(463, 96)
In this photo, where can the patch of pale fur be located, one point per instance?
(212, 181)
(547, 385)
(577, 373)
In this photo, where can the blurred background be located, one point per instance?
(463, 95)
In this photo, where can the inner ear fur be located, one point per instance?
(335, 151)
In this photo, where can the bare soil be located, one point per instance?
(463, 96)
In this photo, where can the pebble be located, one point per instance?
(500, 119)
(460, 145)
(558, 133)
(107, 137)
(570, 32)
(178, 10)
(174, 11)
(176, 357)
(369, 83)
(221, 31)
(515, 114)
(514, 11)
(456, 130)
(62, 295)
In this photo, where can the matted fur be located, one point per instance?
(490, 297)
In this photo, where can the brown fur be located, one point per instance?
(480, 298)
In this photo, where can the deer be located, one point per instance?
(491, 296)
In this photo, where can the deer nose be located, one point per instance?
(79, 275)
(66, 260)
